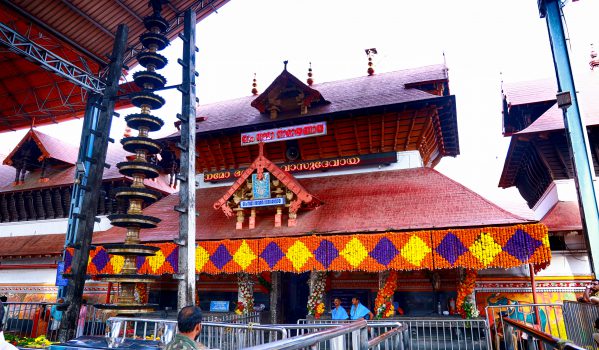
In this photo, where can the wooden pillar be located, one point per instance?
(187, 193)
(92, 179)
(533, 284)
(275, 298)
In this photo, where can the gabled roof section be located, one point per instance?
(65, 176)
(259, 165)
(49, 147)
(354, 94)
(402, 200)
(286, 87)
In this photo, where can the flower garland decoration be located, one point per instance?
(245, 299)
(141, 293)
(474, 248)
(383, 305)
(318, 281)
(469, 308)
(465, 289)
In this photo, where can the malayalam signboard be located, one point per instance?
(283, 134)
(262, 202)
(311, 165)
(219, 306)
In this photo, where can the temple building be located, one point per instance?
(307, 192)
(36, 179)
(539, 165)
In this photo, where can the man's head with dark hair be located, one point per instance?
(597, 323)
(3, 299)
(189, 320)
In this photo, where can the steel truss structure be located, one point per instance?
(48, 60)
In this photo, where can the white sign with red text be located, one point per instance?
(283, 134)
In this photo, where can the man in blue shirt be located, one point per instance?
(338, 312)
(359, 311)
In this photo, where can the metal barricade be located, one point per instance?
(579, 319)
(253, 317)
(431, 333)
(548, 318)
(35, 319)
(522, 335)
(231, 336)
(121, 328)
(375, 329)
(322, 338)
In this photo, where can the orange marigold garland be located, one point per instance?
(383, 305)
(472, 248)
(141, 293)
(464, 290)
(318, 283)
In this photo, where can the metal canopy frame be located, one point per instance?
(49, 60)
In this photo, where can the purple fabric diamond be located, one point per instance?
(384, 251)
(521, 245)
(173, 259)
(68, 259)
(326, 253)
(139, 261)
(100, 260)
(451, 248)
(272, 254)
(221, 257)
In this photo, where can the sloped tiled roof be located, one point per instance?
(534, 91)
(345, 95)
(50, 244)
(65, 176)
(410, 199)
(49, 146)
(564, 216)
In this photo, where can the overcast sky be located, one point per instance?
(483, 41)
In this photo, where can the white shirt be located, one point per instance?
(4, 345)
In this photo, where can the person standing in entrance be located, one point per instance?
(189, 322)
(338, 312)
(359, 311)
(82, 317)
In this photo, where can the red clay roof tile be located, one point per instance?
(564, 216)
(410, 199)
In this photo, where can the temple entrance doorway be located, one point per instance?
(294, 296)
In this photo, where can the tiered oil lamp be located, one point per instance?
(139, 169)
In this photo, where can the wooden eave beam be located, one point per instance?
(228, 138)
(357, 136)
(335, 138)
(215, 164)
(412, 123)
(382, 133)
(560, 157)
(397, 121)
(542, 157)
(369, 136)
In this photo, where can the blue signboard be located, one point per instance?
(60, 281)
(261, 187)
(263, 202)
(219, 306)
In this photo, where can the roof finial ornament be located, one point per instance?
(254, 86)
(310, 80)
(369, 53)
(285, 63)
(594, 60)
